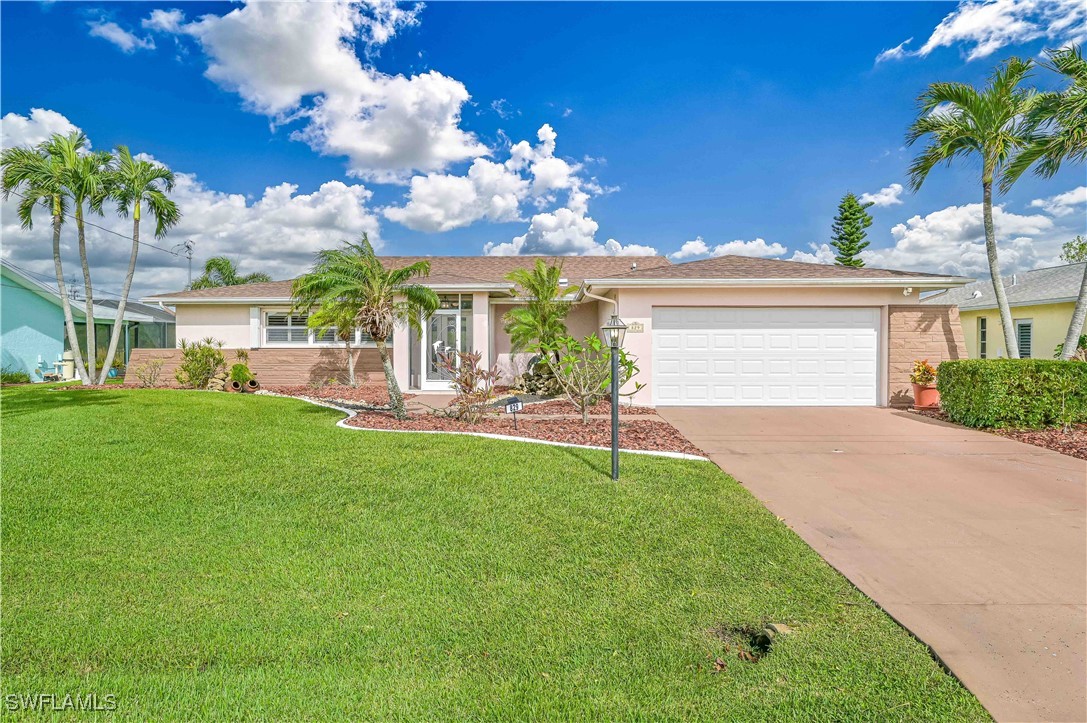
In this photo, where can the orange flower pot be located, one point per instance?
(926, 396)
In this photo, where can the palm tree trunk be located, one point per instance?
(118, 323)
(92, 348)
(396, 399)
(1079, 316)
(69, 322)
(1010, 342)
(350, 363)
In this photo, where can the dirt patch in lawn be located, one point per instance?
(370, 393)
(1073, 442)
(640, 434)
(564, 406)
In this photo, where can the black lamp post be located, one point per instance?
(614, 332)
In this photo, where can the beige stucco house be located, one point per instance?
(1041, 302)
(724, 331)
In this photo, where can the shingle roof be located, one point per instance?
(746, 267)
(450, 271)
(1041, 286)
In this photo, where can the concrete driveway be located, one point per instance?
(974, 542)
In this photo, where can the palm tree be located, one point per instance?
(132, 184)
(36, 175)
(962, 121)
(221, 271)
(1060, 121)
(382, 298)
(339, 317)
(83, 178)
(541, 321)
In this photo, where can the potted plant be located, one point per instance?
(923, 378)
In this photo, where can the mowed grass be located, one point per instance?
(212, 556)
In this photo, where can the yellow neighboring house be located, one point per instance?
(1041, 303)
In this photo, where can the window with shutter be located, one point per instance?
(1024, 333)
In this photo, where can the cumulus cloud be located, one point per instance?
(127, 41)
(699, 248)
(819, 254)
(886, 196)
(295, 62)
(983, 28)
(164, 21)
(1062, 204)
(565, 232)
(277, 233)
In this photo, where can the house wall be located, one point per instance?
(1049, 321)
(273, 367)
(581, 321)
(926, 331)
(229, 323)
(636, 305)
(30, 328)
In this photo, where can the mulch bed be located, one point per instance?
(564, 406)
(1073, 442)
(372, 393)
(643, 434)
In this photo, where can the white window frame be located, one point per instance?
(1029, 323)
(983, 337)
(359, 341)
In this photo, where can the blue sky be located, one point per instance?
(667, 123)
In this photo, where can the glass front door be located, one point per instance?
(442, 336)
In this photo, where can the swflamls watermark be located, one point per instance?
(54, 702)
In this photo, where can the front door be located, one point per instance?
(442, 336)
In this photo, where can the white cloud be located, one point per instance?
(984, 28)
(164, 21)
(819, 254)
(886, 196)
(564, 232)
(296, 62)
(1062, 204)
(277, 233)
(756, 248)
(127, 41)
(32, 129)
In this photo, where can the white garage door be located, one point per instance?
(736, 356)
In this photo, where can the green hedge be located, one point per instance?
(1029, 393)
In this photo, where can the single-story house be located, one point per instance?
(725, 331)
(1041, 303)
(32, 338)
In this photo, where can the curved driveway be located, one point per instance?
(974, 542)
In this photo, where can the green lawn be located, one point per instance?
(205, 555)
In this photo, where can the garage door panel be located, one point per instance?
(765, 356)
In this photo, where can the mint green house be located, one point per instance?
(32, 324)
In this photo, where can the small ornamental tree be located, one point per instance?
(849, 231)
(583, 370)
(472, 384)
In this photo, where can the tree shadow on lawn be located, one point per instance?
(14, 405)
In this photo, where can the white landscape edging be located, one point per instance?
(486, 435)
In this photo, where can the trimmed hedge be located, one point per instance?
(1024, 393)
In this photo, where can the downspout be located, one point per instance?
(613, 302)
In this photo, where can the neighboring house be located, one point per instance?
(724, 331)
(1041, 303)
(32, 324)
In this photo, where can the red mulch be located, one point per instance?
(564, 406)
(374, 393)
(1073, 442)
(641, 434)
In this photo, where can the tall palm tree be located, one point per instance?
(1060, 121)
(382, 298)
(83, 178)
(133, 184)
(962, 121)
(221, 271)
(339, 317)
(36, 175)
(542, 319)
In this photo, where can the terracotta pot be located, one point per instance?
(926, 396)
(252, 385)
(233, 386)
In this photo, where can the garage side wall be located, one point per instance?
(920, 332)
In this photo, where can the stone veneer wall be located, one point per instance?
(274, 367)
(920, 332)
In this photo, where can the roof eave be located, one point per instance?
(920, 282)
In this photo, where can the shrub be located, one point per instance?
(200, 362)
(923, 373)
(9, 376)
(473, 385)
(148, 373)
(1028, 393)
(240, 373)
(583, 370)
